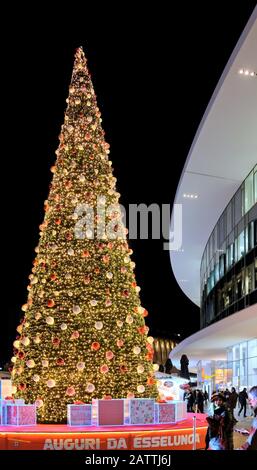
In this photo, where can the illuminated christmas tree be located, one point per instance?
(83, 333)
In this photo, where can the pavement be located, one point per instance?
(243, 423)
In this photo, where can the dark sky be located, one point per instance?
(152, 88)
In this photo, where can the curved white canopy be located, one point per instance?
(222, 154)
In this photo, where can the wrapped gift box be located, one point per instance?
(165, 413)
(80, 415)
(141, 411)
(108, 412)
(5, 388)
(19, 414)
(171, 412)
(4, 403)
(181, 412)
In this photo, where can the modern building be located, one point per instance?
(162, 348)
(216, 267)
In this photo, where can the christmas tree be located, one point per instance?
(83, 333)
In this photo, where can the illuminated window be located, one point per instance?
(240, 245)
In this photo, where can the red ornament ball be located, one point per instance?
(95, 346)
(60, 362)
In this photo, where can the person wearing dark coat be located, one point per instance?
(206, 396)
(232, 401)
(220, 428)
(190, 401)
(199, 399)
(242, 397)
(251, 443)
(168, 366)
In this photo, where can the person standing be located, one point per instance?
(232, 401)
(190, 401)
(251, 443)
(242, 400)
(220, 425)
(199, 400)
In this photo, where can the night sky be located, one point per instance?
(152, 89)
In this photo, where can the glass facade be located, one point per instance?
(229, 261)
(239, 370)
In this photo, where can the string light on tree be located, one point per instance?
(83, 333)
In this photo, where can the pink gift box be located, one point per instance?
(108, 412)
(80, 415)
(170, 412)
(165, 412)
(20, 414)
(141, 411)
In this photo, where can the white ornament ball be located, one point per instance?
(136, 350)
(89, 233)
(30, 363)
(51, 383)
(45, 363)
(155, 367)
(101, 200)
(50, 320)
(140, 369)
(37, 339)
(90, 388)
(140, 388)
(25, 341)
(36, 378)
(63, 326)
(98, 325)
(109, 276)
(13, 359)
(93, 303)
(81, 365)
(37, 316)
(39, 403)
(16, 344)
(82, 178)
(119, 323)
(70, 252)
(76, 309)
(150, 339)
(129, 319)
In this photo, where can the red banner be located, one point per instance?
(173, 439)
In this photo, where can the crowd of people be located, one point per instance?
(221, 418)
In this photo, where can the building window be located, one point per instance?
(240, 245)
(252, 362)
(216, 273)
(222, 265)
(255, 185)
(238, 206)
(255, 269)
(248, 193)
(240, 286)
(250, 236)
(249, 279)
(230, 255)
